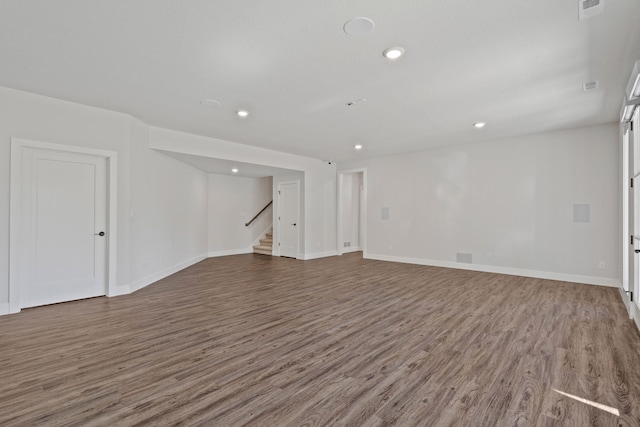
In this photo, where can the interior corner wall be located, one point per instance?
(318, 186)
(168, 212)
(509, 204)
(157, 195)
(233, 202)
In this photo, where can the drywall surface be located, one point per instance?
(168, 211)
(319, 195)
(233, 202)
(508, 206)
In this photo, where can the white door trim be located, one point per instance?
(15, 212)
(363, 211)
(280, 183)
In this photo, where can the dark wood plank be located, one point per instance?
(262, 341)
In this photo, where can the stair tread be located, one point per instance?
(263, 247)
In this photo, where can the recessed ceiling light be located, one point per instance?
(234, 170)
(393, 52)
(242, 113)
(358, 147)
(479, 125)
(359, 26)
(210, 102)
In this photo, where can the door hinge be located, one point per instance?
(278, 218)
(631, 239)
(631, 182)
(278, 191)
(278, 243)
(631, 123)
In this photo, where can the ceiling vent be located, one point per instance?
(589, 8)
(590, 86)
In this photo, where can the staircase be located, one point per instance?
(266, 245)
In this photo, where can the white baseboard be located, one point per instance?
(349, 250)
(588, 280)
(316, 255)
(139, 284)
(4, 308)
(635, 314)
(120, 290)
(230, 252)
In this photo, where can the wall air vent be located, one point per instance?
(589, 86)
(589, 8)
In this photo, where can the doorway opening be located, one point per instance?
(352, 214)
(288, 219)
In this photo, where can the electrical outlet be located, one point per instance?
(602, 265)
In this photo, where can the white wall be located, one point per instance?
(233, 201)
(168, 212)
(320, 211)
(350, 211)
(509, 203)
(162, 203)
(319, 189)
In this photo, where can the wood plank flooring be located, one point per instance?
(267, 341)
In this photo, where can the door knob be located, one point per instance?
(293, 224)
(99, 234)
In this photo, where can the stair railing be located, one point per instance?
(258, 214)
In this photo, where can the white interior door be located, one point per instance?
(288, 219)
(63, 233)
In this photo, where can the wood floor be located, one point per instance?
(256, 340)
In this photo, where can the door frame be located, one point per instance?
(15, 211)
(363, 211)
(627, 215)
(633, 212)
(630, 280)
(280, 183)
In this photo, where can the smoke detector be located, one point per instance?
(589, 8)
(355, 101)
(360, 26)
